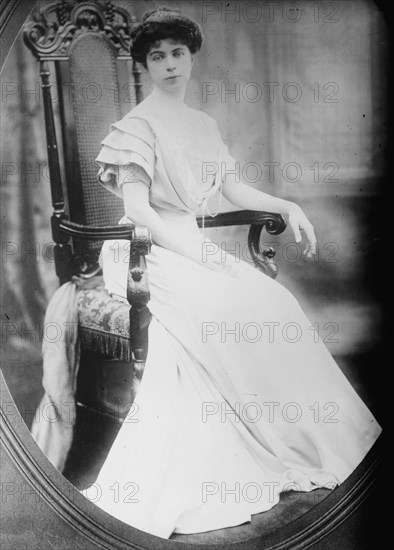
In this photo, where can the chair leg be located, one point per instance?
(139, 325)
(138, 371)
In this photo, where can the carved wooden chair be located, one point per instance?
(82, 48)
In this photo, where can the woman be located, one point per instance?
(225, 418)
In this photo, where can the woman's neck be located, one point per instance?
(173, 100)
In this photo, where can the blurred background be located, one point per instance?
(299, 93)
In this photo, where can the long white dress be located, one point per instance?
(238, 401)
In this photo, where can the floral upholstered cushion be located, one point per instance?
(103, 321)
(97, 310)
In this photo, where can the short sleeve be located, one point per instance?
(127, 154)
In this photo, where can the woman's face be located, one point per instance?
(169, 64)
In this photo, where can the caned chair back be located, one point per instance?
(92, 70)
(84, 60)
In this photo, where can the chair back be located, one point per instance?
(83, 50)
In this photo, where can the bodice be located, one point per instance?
(182, 160)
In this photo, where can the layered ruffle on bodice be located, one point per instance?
(126, 145)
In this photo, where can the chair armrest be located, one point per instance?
(138, 294)
(273, 223)
(138, 234)
(108, 232)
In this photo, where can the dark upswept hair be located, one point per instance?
(164, 23)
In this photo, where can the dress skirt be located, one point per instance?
(239, 400)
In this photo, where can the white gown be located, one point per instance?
(238, 401)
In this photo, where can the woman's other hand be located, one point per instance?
(299, 222)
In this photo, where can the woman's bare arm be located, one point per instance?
(138, 209)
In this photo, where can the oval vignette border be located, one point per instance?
(91, 527)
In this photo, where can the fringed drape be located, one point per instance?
(104, 343)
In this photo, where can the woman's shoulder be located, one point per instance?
(145, 121)
(202, 115)
(136, 122)
(145, 117)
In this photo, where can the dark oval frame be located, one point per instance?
(64, 515)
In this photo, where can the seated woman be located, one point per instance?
(238, 401)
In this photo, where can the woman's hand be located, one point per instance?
(248, 198)
(298, 221)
